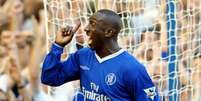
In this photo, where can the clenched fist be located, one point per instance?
(65, 35)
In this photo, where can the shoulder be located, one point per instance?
(132, 62)
(132, 65)
(84, 53)
(85, 50)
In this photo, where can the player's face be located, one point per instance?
(95, 31)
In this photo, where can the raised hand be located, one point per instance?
(65, 35)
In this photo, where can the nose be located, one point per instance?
(86, 29)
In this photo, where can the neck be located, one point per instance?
(108, 48)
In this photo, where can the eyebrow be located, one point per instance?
(92, 18)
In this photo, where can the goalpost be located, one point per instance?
(165, 35)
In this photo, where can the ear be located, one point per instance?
(109, 33)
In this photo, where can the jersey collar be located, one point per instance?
(101, 60)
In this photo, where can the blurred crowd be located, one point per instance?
(27, 29)
(22, 47)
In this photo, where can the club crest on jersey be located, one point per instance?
(110, 79)
(151, 92)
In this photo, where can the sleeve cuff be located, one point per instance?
(57, 49)
(58, 45)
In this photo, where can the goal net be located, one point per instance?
(165, 35)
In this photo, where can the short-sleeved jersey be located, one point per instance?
(116, 77)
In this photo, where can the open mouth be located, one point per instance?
(89, 38)
(89, 41)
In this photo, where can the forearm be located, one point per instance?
(51, 67)
(34, 66)
(55, 72)
(24, 94)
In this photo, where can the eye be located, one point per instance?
(92, 23)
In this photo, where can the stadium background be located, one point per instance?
(163, 34)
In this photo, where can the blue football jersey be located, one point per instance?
(116, 77)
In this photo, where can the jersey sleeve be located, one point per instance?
(55, 72)
(140, 85)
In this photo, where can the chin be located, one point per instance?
(91, 47)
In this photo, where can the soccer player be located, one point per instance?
(105, 70)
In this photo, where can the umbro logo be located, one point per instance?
(84, 67)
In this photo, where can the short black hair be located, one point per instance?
(112, 17)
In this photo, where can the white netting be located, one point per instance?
(145, 36)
